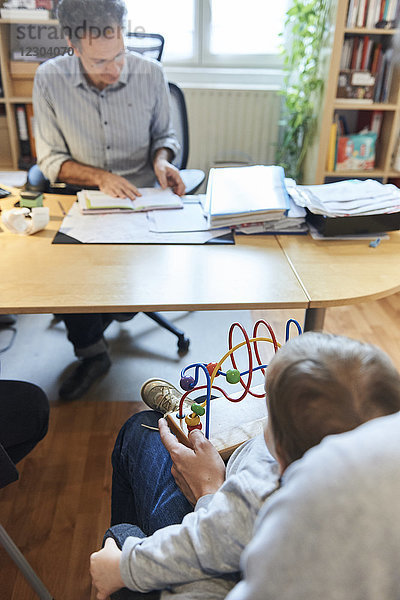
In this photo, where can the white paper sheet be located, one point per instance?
(124, 229)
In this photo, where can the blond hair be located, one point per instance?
(319, 384)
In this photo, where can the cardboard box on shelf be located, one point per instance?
(356, 85)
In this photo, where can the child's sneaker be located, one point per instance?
(161, 395)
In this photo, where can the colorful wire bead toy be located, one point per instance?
(189, 383)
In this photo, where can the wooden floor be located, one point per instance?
(59, 509)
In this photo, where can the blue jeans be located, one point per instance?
(144, 493)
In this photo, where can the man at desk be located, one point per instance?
(102, 119)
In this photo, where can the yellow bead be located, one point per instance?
(192, 420)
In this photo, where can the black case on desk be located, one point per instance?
(331, 226)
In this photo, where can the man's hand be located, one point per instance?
(117, 186)
(168, 175)
(198, 470)
(104, 569)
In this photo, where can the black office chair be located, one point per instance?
(192, 178)
(150, 44)
(8, 474)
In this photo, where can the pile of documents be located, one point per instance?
(348, 198)
(252, 199)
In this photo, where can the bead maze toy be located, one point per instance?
(228, 419)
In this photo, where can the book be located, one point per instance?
(30, 123)
(237, 195)
(369, 121)
(356, 152)
(22, 129)
(361, 13)
(93, 202)
(25, 13)
(330, 165)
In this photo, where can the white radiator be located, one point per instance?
(232, 126)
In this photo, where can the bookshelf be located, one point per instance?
(354, 111)
(17, 82)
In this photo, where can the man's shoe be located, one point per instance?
(161, 395)
(86, 373)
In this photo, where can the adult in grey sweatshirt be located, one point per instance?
(333, 530)
(317, 385)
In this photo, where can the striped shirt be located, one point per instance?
(117, 129)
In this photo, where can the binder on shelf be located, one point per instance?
(23, 134)
(330, 164)
(30, 122)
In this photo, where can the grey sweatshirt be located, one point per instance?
(200, 558)
(333, 529)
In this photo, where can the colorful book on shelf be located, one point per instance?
(93, 202)
(356, 152)
(330, 163)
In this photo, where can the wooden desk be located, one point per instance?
(335, 273)
(259, 272)
(38, 277)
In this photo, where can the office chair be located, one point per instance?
(8, 474)
(192, 178)
(150, 44)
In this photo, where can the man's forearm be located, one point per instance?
(80, 174)
(164, 153)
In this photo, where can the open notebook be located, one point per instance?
(96, 202)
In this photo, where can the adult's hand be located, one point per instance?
(198, 470)
(117, 186)
(168, 175)
(104, 569)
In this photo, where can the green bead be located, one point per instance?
(198, 409)
(233, 376)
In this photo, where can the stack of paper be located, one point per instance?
(292, 221)
(348, 198)
(93, 202)
(237, 195)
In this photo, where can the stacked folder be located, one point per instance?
(238, 195)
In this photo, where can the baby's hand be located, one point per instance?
(104, 569)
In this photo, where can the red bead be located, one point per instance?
(210, 368)
(190, 428)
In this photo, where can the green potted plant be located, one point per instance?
(305, 29)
